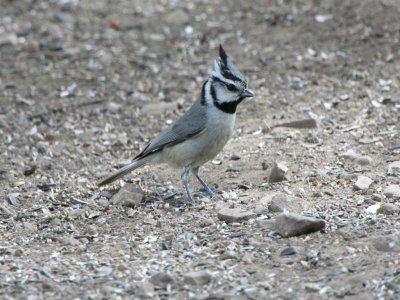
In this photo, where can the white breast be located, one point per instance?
(201, 148)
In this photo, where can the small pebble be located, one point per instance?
(394, 168)
(278, 173)
(288, 251)
(362, 183)
(388, 209)
(146, 289)
(162, 280)
(392, 191)
(376, 197)
(198, 278)
(12, 198)
(372, 209)
(130, 195)
(387, 243)
(363, 160)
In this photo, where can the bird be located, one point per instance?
(202, 131)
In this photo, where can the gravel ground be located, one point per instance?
(310, 182)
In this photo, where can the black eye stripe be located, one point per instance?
(228, 85)
(216, 79)
(227, 74)
(213, 93)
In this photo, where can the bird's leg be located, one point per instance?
(209, 191)
(185, 179)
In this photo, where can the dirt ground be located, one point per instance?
(84, 85)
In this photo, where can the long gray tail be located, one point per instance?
(123, 171)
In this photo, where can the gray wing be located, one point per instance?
(192, 123)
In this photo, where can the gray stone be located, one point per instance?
(29, 227)
(362, 183)
(228, 254)
(162, 280)
(278, 173)
(231, 215)
(177, 17)
(197, 277)
(363, 160)
(388, 209)
(376, 197)
(8, 39)
(288, 251)
(392, 191)
(372, 209)
(289, 224)
(394, 168)
(350, 154)
(91, 230)
(103, 203)
(113, 107)
(76, 213)
(389, 243)
(146, 289)
(42, 148)
(70, 241)
(12, 198)
(348, 286)
(306, 123)
(313, 287)
(130, 195)
(284, 203)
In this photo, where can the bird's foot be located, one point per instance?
(208, 192)
(189, 200)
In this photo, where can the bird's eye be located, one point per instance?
(231, 87)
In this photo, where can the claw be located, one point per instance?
(207, 189)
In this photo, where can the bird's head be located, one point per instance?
(228, 86)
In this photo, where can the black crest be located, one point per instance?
(225, 67)
(222, 55)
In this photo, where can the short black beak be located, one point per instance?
(247, 93)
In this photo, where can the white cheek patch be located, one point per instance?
(219, 83)
(208, 96)
(225, 96)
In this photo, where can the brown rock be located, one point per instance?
(231, 215)
(278, 173)
(289, 224)
(130, 195)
